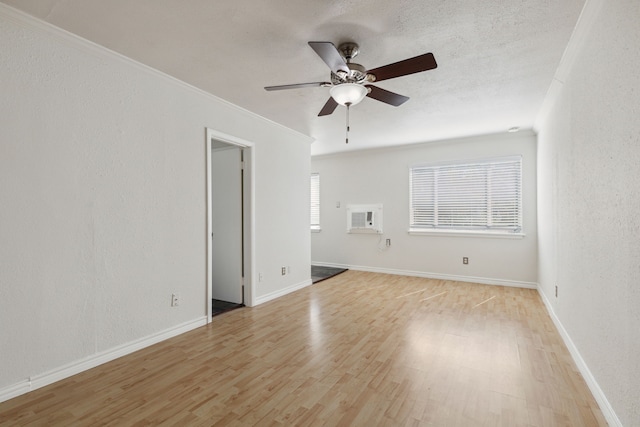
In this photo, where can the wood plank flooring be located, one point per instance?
(359, 349)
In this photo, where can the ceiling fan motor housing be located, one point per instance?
(357, 73)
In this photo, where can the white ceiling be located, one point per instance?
(496, 58)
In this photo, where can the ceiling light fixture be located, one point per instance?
(513, 129)
(348, 93)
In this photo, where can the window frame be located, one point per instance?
(471, 166)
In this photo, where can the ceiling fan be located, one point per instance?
(351, 82)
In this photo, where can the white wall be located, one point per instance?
(382, 176)
(103, 203)
(282, 195)
(589, 199)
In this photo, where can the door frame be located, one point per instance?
(248, 214)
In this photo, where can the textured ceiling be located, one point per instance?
(496, 58)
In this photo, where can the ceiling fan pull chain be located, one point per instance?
(347, 138)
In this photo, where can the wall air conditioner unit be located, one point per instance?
(364, 218)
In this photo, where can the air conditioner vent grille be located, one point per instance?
(358, 219)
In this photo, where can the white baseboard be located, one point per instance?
(41, 380)
(281, 292)
(15, 390)
(429, 275)
(606, 408)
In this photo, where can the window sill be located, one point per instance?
(465, 233)
(316, 230)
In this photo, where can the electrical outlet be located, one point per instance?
(284, 270)
(260, 277)
(465, 260)
(388, 242)
(175, 300)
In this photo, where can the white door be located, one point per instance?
(226, 209)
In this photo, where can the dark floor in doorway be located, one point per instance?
(320, 273)
(219, 307)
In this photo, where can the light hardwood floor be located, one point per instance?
(360, 349)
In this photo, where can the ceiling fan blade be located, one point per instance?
(330, 55)
(328, 108)
(385, 96)
(402, 68)
(297, 85)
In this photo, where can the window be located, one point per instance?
(481, 196)
(315, 202)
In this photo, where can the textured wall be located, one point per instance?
(382, 176)
(589, 158)
(102, 182)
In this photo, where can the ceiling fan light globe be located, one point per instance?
(348, 93)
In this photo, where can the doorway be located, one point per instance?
(227, 272)
(229, 222)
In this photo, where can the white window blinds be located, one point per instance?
(315, 201)
(479, 195)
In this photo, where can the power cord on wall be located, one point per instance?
(383, 245)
